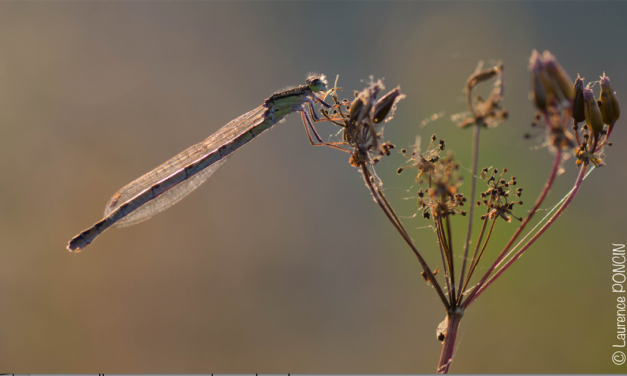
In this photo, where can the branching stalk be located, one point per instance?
(377, 194)
(543, 194)
(555, 216)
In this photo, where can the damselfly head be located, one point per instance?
(317, 82)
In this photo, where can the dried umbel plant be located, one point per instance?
(557, 100)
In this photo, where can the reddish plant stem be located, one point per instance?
(545, 191)
(555, 216)
(448, 347)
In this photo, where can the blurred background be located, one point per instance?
(282, 262)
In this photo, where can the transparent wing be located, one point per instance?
(222, 137)
(170, 197)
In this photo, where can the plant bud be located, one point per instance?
(579, 112)
(609, 108)
(592, 111)
(385, 104)
(558, 74)
(537, 85)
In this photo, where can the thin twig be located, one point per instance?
(474, 254)
(476, 262)
(445, 260)
(450, 250)
(473, 185)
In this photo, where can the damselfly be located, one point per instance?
(169, 183)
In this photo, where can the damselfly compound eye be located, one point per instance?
(317, 83)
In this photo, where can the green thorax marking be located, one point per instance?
(282, 104)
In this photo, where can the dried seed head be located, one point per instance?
(594, 120)
(609, 108)
(424, 161)
(497, 197)
(578, 104)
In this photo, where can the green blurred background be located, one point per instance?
(282, 262)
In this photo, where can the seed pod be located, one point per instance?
(558, 74)
(578, 103)
(609, 108)
(592, 111)
(356, 107)
(384, 105)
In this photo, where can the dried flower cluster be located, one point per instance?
(441, 199)
(424, 162)
(496, 198)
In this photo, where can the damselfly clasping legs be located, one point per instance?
(167, 184)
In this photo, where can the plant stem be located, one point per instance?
(445, 263)
(450, 251)
(474, 254)
(377, 194)
(476, 262)
(555, 216)
(473, 185)
(448, 347)
(543, 194)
